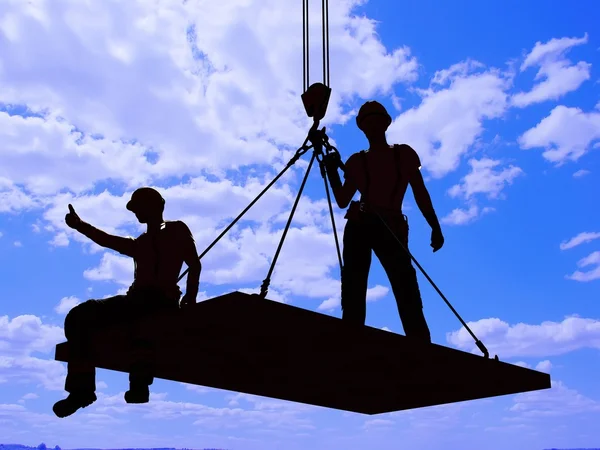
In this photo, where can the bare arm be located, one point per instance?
(125, 246)
(343, 193)
(423, 199)
(190, 257)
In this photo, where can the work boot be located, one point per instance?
(73, 402)
(137, 393)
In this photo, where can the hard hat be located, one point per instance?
(372, 108)
(145, 197)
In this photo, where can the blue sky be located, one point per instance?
(501, 102)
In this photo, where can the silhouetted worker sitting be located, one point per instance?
(381, 175)
(158, 255)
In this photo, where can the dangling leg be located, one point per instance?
(403, 279)
(80, 324)
(141, 372)
(355, 273)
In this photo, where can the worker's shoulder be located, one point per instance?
(405, 149)
(407, 152)
(178, 226)
(354, 157)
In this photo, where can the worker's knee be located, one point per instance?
(79, 314)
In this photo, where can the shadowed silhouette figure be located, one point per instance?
(382, 175)
(158, 255)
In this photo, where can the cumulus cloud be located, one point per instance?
(525, 340)
(485, 178)
(544, 366)
(464, 216)
(374, 293)
(557, 75)
(22, 337)
(451, 115)
(66, 304)
(172, 92)
(555, 402)
(566, 134)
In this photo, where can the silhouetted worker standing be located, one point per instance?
(382, 175)
(158, 255)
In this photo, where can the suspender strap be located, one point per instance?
(396, 150)
(367, 179)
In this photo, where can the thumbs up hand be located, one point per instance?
(72, 219)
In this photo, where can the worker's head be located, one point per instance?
(373, 119)
(147, 204)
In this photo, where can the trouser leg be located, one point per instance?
(141, 371)
(355, 272)
(80, 324)
(142, 367)
(403, 278)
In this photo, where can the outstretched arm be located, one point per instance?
(190, 257)
(125, 246)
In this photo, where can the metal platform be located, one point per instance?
(243, 343)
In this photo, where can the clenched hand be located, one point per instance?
(72, 219)
(437, 239)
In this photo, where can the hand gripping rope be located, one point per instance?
(316, 99)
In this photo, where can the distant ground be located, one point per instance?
(44, 447)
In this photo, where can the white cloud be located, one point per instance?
(557, 75)
(22, 336)
(460, 216)
(483, 179)
(593, 259)
(66, 304)
(30, 396)
(179, 74)
(555, 402)
(373, 294)
(581, 238)
(378, 424)
(17, 244)
(197, 389)
(566, 134)
(262, 412)
(524, 340)
(544, 366)
(13, 198)
(581, 173)
(449, 120)
(112, 268)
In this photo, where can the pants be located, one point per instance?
(86, 318)
(360, 237)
